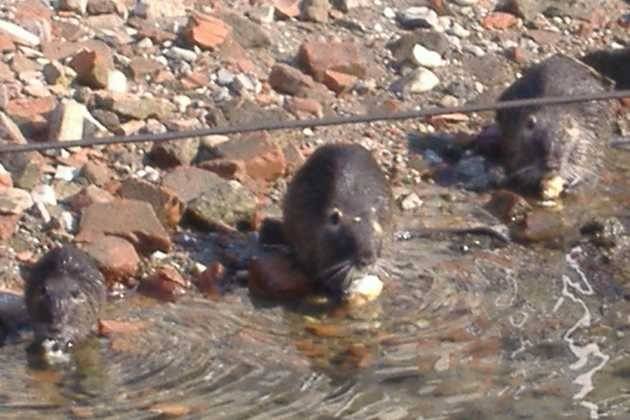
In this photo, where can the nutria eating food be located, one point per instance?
(553, 149)
(337, 215)
(64, 295)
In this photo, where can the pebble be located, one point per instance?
(19, 34)
(224, 77)
(389, 13)
(424, 57)
(66, 173)
(418, 17)
(182, 102)
(116, 82)
(69, 222)
(181, 53)
(420, 80)
(44, 194)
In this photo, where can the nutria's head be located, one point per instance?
(63, 295)
(542, 144)
(350, 240)
(337, 213)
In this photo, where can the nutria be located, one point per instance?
(554, 148)
(337, 214)
(64, 294)
(614, 64)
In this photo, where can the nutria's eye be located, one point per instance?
(335, 217)
(531, 122)
(74, 294)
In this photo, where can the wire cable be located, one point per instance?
(315, 122)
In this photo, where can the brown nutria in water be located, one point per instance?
(64, 295)
(554, 148)
(337, 214)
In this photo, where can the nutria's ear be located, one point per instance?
(489, 142)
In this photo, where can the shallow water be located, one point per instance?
(466, 328)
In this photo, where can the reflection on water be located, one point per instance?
(466, 329)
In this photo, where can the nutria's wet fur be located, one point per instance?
(64, 295)
(337, 214)
(567, 140)
(614, 64)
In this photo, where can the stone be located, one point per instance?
(499, 20)
(418, 17)
(9, 130)
(97, 173)
(339, 82)
(30, 109)
(188, 182)
(419, 80)
(141, 67)
(286, 79)
(245, 33)
(315, 10)
(116, 258)
(131, 106)
(157, 9)
(165, 284)
(6, 44)
(208, 281)
(44, 194)
(8, 226)
(174, 153)
(206, 31)
(345, 57)
(88, 196)
(347, 5)
(304, 107)
(116, 82)
(78, 6)
(223, 203)
(67, 121)
(287, 8)
(167, 206)
(274, 276)
(262, 14)
(225, 168)
(263, 159)
(410, 201)
(92, 68)
(402, 48)
(15, 201)
(103, 7)
(424, 57)
(18, 34)
(54, 73)
(131, 219)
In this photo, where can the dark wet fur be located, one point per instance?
(64, 295)
(565, 140)
(344, 178)
(614, 64)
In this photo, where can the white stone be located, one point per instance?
(44, 194)
(79, 6)
(421, 80)
(425, 57)
(182, 102)
(66, 173)
(458, 30)
(181, 53)
(465, 2)
(389, 13)
(67, 121)
(69, 222)
(422, 14)
(116, 82)
(19, 34)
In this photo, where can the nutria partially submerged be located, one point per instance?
(64, 295)
(555, 148)
(337, 214)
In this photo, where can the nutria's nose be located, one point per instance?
(365, 258)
